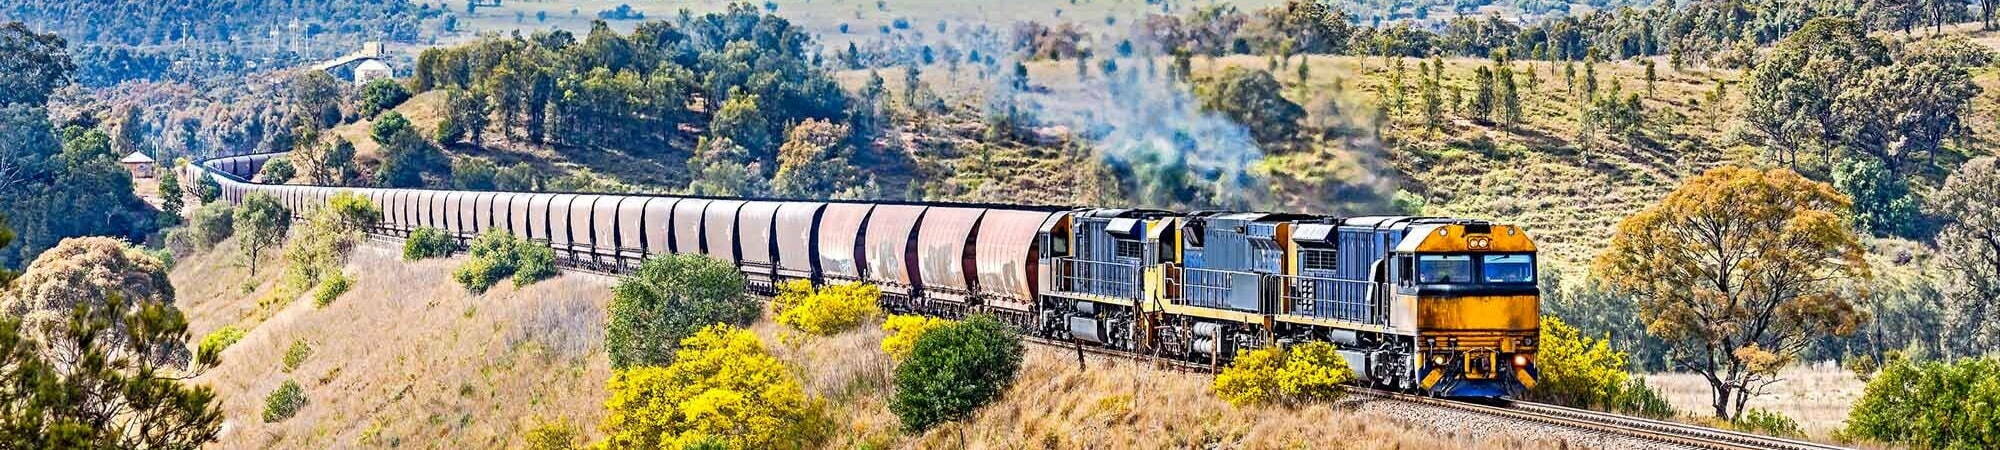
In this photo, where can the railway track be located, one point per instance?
(1668, 434)
(1657, 431)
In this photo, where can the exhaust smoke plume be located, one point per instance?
(1153, 134)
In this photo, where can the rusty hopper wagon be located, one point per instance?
(1442, 306)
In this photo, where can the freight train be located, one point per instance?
(1441, 306)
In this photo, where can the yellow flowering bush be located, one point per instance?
(904, 331)
(1583, 371)
(829, 310)
(1305, 373)
(723, 387)
(1250, 380)
(791, 293)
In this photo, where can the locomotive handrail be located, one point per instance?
(1210, 288)
(1106, 278)
(1304, 295)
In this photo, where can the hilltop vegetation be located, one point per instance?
(123, 40)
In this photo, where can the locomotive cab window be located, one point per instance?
(1130, 249)
(1511, 268)
(1444, 269)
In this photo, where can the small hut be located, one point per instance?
(140, 165)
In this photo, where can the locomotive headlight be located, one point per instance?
(1520, 360)
(1437, 359)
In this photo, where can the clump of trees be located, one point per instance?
(278, 171)
(1968, 246)
(828, 310)
(496, 255)
(1306, 373)
(1737, 270)
(317, 249)
(953, 370)
(49, 173)
(1252, 97)
(382, 94)
(408, 160)
(668, 299)
(742, 76)
(1830, 88)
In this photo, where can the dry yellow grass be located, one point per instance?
(1818, 396)
(1110, 403)
(407, 357)
(1129, 404)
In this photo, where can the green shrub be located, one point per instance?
(1931, 405)
(297, 355)
(331, 288)
(278, 171)
(1759, 420)
(317, 249)
(165, 256)
(427, 242)
(210, 223)
(352, 212)
(829, 310)
(284, 403)
(216, 341)
(954, 370)
(495, 255)
(1638, 398)
(207, 190)
(667, 300)
(1304, 373)
(535, 263)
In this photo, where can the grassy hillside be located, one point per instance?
(405, 359)
(409, 359)
(1567, 188)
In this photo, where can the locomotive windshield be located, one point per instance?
(1506, 268)
(1444, 269)
(1510, 268)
